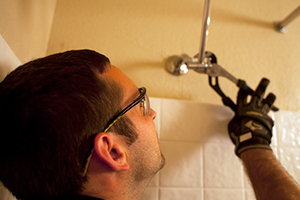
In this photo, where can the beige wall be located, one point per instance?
(139, 35)
(25, 25)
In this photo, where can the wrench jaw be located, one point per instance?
(210, 67)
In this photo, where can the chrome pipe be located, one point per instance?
(206, 21)
(281, 25)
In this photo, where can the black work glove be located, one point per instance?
(251, 127)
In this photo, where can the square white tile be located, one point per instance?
(181, 121)
(288, 128)
(180, 194)
(215, 119)
(183, 164)
(222, 168)
(223, 194)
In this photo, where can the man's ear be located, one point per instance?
(110, 149)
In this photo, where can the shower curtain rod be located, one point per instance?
(281, 25)
(206, 21)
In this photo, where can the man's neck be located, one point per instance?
(112, 188)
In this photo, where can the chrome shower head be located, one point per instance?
(176, 65)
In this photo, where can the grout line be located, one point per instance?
(202, 170)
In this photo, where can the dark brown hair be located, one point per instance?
(50, 110)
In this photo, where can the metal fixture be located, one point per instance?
(206, 63)
(281, 25)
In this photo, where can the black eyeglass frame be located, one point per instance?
(140, 98)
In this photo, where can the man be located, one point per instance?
(58, 139)
(76, 127)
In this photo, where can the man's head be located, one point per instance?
(52, 110)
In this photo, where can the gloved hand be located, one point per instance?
(251, 127)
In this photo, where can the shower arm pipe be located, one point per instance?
(206, 21)
(281, 25)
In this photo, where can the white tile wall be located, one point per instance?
(200, 159)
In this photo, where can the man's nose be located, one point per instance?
(152, 114)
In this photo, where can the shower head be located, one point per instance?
(179, 65)
(176, 65)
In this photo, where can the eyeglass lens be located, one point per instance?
(146, 105)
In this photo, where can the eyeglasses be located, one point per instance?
(144, 102)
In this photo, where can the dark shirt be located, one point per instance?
(77, 197)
